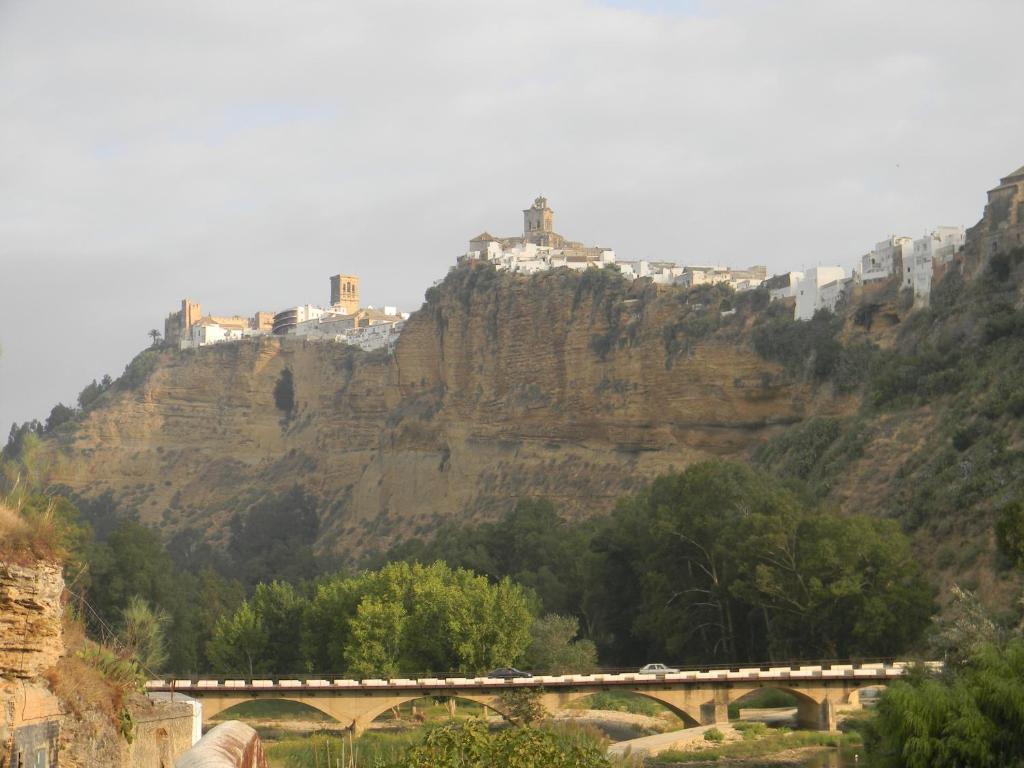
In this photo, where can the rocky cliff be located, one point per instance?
(31, 631)
(574, 387)
(54, 703)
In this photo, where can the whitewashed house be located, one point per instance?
(808, 290)
(937, 247)
(885, 258)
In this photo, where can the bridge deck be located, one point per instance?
(779, 675)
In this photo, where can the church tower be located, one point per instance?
(538, 222)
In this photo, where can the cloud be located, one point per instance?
(244, 152)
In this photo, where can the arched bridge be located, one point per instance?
(698, 697)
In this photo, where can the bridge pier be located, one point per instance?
(717, 710)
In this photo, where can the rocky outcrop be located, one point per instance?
(578, 388)
(51, 701)
(31, 631)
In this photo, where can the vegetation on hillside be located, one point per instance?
(957, 366)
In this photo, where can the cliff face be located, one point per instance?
(31, 632)
(574, 387)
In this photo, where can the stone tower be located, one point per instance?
(538, 221)
(345, 293)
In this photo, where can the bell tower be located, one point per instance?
(538, 221)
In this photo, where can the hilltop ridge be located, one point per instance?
(582, 386)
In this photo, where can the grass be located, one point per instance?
(26, 539)
(368, 749)
(386, 746)
(771, 742)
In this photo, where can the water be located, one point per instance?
(853, 757)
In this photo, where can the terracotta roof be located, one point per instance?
(483, 236)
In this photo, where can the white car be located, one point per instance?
(656, 669)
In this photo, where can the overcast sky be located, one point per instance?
(239, 153)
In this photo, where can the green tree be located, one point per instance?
(376, 632)
(720, 562)
(281, 610)
(472, 745)
(523, 706)
(59, 414)
(284, 393)
(239, 644)
(837, 587)
(532, 545)
(142, 634)
(1010, 533)
(555, 649)
(274, 539)
(974, 717)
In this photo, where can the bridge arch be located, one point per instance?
(808, 707)
(379, 707)
(668, 702)
(212, 708)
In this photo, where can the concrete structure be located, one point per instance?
(783, 286)
(808, 291)
(178, 324)
(539, 248)
(32, 737)
(230, 745)
(737, 279)
(345, 293)
(188, 327)
(936, 248)
(886, 259)
(699, 697)
(286, 320)
(1002, 225)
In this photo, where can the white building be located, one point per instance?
(783, 286)
(887, 257)
(937, 247)
(371, 337)
(830, 293)
(808, 291)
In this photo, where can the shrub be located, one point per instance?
(714, 735)
(803, 347)
(284, 392)
(138, 371)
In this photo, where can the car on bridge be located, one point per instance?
(507, 673)
(656, 669)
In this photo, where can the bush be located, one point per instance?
(803, 347)
(284, 393)
(138, 371)
(714, 735)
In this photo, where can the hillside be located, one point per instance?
(574, 387)
(579, 388)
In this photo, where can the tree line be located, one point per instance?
(718, 563)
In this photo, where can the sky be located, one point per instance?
(239, 153)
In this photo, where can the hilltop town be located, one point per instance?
(343, 321)
(918, 263)
(822, 287)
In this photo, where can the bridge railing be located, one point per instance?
(790, 671)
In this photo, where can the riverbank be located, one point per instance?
(759, 747)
